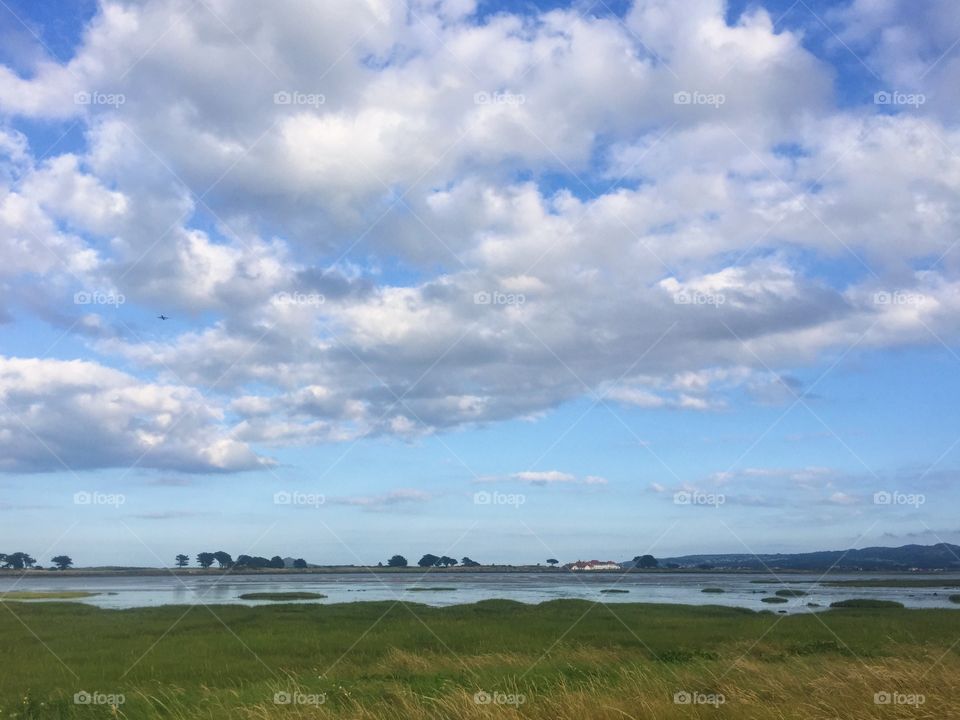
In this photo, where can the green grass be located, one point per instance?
(42, 595)
(896, 583)
(871, 582)
(570, 659)
(954, 598)
(866, 603)
(713, 590)
(614, 591)
(773, 600)
(283, 596)
(788, 593)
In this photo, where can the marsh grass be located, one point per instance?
(866, 603)
(279, 596)
(567, 659)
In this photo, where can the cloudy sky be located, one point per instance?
(512, 280)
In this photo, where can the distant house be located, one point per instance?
(588, 565)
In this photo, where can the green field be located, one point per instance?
(560, 660)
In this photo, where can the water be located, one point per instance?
(680, 588)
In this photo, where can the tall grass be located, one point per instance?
(499, 659)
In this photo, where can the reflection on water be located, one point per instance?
(682, 588)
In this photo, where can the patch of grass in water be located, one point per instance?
(772, 600)
(282, 596)
(954, 598)
(431, 589)
(614, 590)
(40, 595)
(866, 603)
(713, 590)
(790, 593)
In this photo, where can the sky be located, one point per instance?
(506, 280)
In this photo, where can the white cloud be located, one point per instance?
(397, 201)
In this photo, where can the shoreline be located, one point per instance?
(502, 569)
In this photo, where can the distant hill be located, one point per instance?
(942, 556)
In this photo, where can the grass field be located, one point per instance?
(497, 659)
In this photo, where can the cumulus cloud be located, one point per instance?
(385, 221)
(78, 415)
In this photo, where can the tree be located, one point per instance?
(553, 563)
(428, 560)
(223, 558)
(205, 559)
(62, 562)
(646, 561)
(397, 561)
(182, 561)
(18, 561)
(277, 562)
(300, 564)
(467, 562)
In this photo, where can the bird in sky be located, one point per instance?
(162, 317)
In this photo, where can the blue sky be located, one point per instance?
(507, 280)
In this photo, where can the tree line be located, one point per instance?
(430, 560)
(22, 561)
(225, 560)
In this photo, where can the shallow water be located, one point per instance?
(681, 588)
